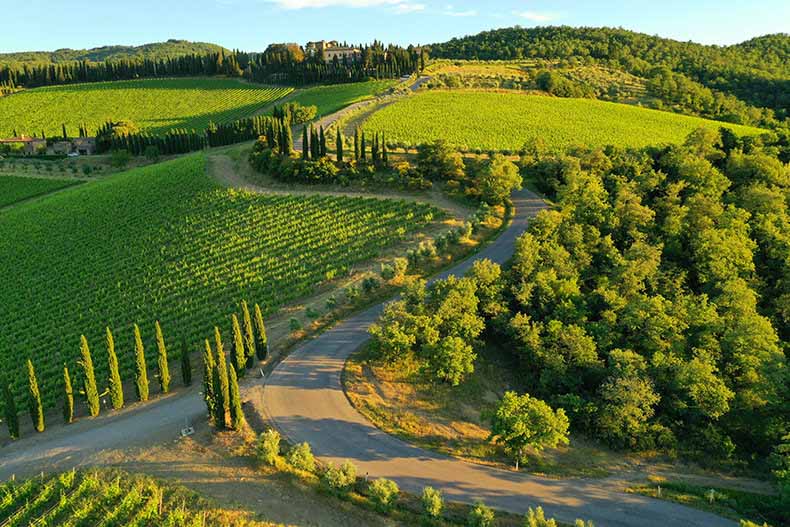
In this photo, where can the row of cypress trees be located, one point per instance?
(221, 373)
(89, 385)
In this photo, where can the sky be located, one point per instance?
(251, 25)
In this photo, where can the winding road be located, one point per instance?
(304, 398)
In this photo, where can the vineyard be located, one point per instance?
(330, 99)
(15, 188)
(506, 121)
(109, 499)
(165, 243)
(153, 105)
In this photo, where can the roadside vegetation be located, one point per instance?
(481, 120)
(155, 106)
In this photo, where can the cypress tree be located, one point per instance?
(339, 146)
(116, 387)
(262, 344)
(68, 401)
(141, 369)
(236, 413)
(89, 378)
(239, 354)
(305, 144)
(65, 136)
(164, 368)
(9, 407)
(219, 401)
(249, 333)
(222, 373)
(36, 409)
(209, 388)
(186, 365)
(384, 153)
(288, 140)
(356, 144)
(363, 147)
(322, 139)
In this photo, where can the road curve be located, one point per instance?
(304, 399)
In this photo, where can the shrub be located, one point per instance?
(340, 478)
(268, 447)
(294, 324)
(383, 492)
(370, 284)
(432, 502)
(300, 456)
(480, 516)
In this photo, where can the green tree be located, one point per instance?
(432, 503)
(10, 411)
(521, 421)
(239, 354)
(236, 413)
(116, 386)
(384, 493)
(220, 402)
(301, 457)
(305, 144)
(222, 388)
(356, 145)
(262, 344)
(480, 516)
(68, 396)
(141, 368)
(537, 518)
(339, 145)
(34, 400)
(451, 360)
(186, 365)
(268, 447)
(209, 388)
(163, 366)
(340, 478)
(89, 377)
(498, 179)
(249, 333)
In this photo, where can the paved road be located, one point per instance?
(304, 398)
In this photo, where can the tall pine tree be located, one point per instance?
(339, 146)
(68, 396)
(236, 413)
(222, 373)
(262, 341)
(141, 368)
(305, 144)
(116, 386)
(186, 365)
(322, 142)
(209, 388)
(363, 147)
(164, 367)
(249, 333)
(356, 144)
(239, 355)
(89, 377)
(36, 408)
(9, 410)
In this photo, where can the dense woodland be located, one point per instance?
(651, 304)
(280, 63)
(757, 71)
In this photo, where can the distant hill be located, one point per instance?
(756, 71)
(156, 50)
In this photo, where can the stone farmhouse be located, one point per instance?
(331, 49)
(30, 146)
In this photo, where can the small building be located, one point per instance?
(60, 148)
(84, 146)
(28, 145)
(331, 49)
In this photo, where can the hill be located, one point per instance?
(507, 120)
(154, 105)
(757, 72)
(166, 243)
(156, 50)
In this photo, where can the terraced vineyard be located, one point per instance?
(165, 243)
(109, 499)
(154, 105)
(330, 99)
(498, 121)
(15, 188)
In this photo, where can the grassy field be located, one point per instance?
(111, 498)
(122, 250)
(154, 105)
(15, 188)
(330, 99)
(501, 120)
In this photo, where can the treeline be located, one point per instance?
(754, 72)
(649, 304)
(249, 342)
(272, 66)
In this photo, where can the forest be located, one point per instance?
(756, 72)
(650, 304)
